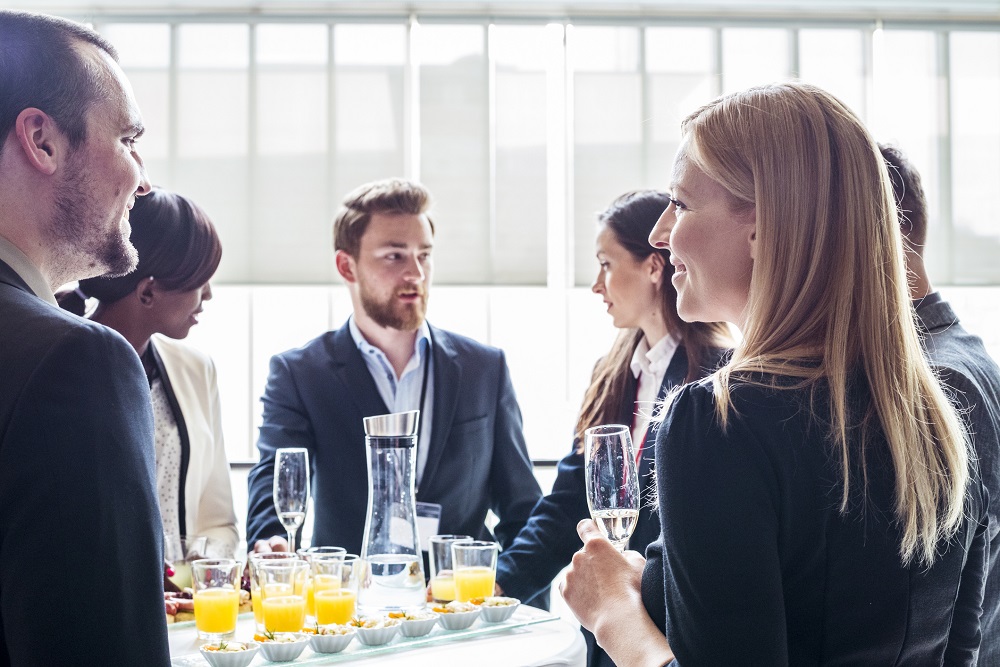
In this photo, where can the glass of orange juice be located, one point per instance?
(475, 567)
(216, 597)
(307, 555)
(442, 577)
(255, 597)
(282, 586)
(336, 588)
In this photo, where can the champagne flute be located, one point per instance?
(612, 481)
(291, 489)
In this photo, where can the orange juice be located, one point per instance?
(443, 587)
(317, 583)
(310, 600)
(334, 606)
(215, 610)
(258, 606)
(474, 582)
(284, 614)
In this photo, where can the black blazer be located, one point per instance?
(548, 541)
(317, 396)
(81, 554)
(965, 367)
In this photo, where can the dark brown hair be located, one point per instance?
(41, 68)
(911, 204)
(389, 196)
(631, 218)
(177, 245)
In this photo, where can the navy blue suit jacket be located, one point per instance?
(968, 370)
(317, 396)
(548, 541)
(81, 546)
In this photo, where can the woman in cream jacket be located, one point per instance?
(153, 308)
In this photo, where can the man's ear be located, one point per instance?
(656, 266)
(346, 266)
(42, 142)
(145, 292)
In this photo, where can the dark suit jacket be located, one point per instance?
(548, 541)
(81, 555)
(965, 367)
(317, 396)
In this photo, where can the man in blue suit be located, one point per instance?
(471, 456)
(964, 366)
(81, 553)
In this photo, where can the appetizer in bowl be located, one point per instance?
(415, 623)
(457, 615)
(230, 654)
(374, 631)
(498, 609)
(332, 638)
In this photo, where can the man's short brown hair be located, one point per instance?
(388, 197)
(911, 205)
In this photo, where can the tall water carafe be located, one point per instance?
(391, 548)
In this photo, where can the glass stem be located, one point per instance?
(291, 540)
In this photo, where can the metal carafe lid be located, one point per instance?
(393, 425)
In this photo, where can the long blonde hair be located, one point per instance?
(828, 296)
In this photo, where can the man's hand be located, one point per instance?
(276, 543)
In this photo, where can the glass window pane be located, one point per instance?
(905, 113)
(833, 60)
(212, 129)
(680, 79)
(975, 163)
(520, 237)
(607, 137)
(140, 44)
(454, 148)
(753, 56)
(290, 237)
(369, 62)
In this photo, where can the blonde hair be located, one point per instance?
(828, 296)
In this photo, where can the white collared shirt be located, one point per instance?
(17, 260)
(403, 393)
(649, 365)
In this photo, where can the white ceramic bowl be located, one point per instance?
(285, 651)
(499, 614)
(459, 620)
(235, 659)
(377, 636)
(331, 643)
(417, 628)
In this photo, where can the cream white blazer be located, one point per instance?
(208, 494)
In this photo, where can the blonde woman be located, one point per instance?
(815, 494)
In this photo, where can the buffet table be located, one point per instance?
(546, 641)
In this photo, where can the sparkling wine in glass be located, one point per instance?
(291, 489)
(612, 481)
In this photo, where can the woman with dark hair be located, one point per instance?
(655, 352)
(153, 307)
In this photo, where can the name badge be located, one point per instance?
(428, 518)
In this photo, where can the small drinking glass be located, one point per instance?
(307, 555)
(291, 489)
(216, 597)
(475, 567)
(612, 481)
(282, 590)
(336, 581)
(255, 596)
(180, 551)
(442, 577)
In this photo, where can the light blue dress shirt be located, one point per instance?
(403, 393)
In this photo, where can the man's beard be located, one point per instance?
(78, 230)
(391, 314)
